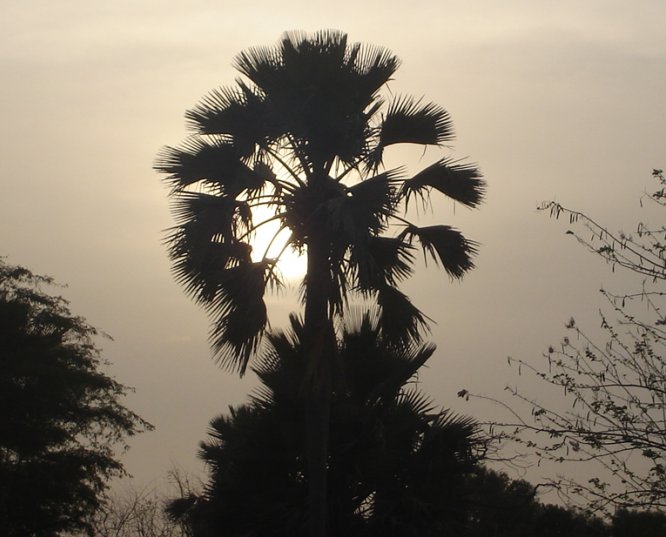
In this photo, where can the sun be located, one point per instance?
(292, 265)
(269, 243)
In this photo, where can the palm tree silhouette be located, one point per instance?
(397, 466)
(304, 134)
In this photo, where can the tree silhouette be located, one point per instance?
(304, 134)
(504, 507)
(60, 416)
(396, 465)
(628, 523)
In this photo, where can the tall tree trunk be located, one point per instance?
(320, 348)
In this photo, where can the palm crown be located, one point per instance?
(304, 133)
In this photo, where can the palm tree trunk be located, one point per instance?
(317, 413)
(320, 348)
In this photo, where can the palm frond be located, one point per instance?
(448, 419)
(297, 325)
(378, 190)
(392, 257)
(238, 112)
(410, 121)
(400, 321)
(262, 396)
(365, 209)
(460, 182)
(417, 402)
(327, 56)
(227, 217)
(406, 360)
(380, 261)
(259, 64)
(237, 306)
(269, 360)
(413, 357)
(264, 170)
(359, 319)
(374, 66)
(368, 205)
(215, 161)
(179, 509)
(458, 434)
(281, 347)
(325, 50)
(444, 245)
(375, 106)
(196, 260)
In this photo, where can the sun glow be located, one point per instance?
(269, 242)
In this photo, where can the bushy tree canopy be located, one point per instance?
(396, 464)
(60, 414)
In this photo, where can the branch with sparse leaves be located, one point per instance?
(643, 252)
(615, 389)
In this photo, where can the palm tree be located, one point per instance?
(397, 466)
(304, 134)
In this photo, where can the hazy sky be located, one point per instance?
(554, 100)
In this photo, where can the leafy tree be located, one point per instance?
(504, 507)
(630, 523)
(617, 387)
(500, 505)
(396, 465)
(304, 134)
(60, 416)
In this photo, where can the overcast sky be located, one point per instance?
(553, 100)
